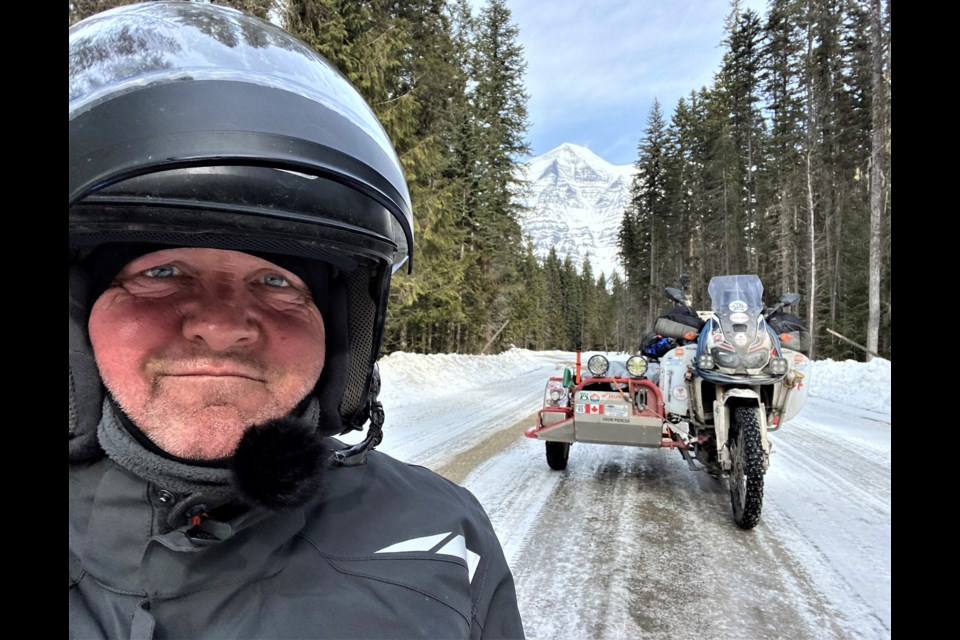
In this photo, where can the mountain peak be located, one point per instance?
(575, 156)
(574, 203)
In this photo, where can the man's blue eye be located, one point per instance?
(275, 280)
(163, 271)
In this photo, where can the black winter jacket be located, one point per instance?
(389, 550)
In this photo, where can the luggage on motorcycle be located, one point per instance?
(678, 322)
(654, 345)
(797, 337)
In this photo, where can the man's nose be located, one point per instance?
(222, 320)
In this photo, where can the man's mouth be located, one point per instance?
(214, 370)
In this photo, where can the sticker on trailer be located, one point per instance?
(737, 306)
(595, 409)
(614, 410)
(605, 396)
(740, 339)
(680, 393)
(583, 396)
(740, 318)
(581, 408)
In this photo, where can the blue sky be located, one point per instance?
(595, 66)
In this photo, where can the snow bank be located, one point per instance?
(411, 378)
(860, 384)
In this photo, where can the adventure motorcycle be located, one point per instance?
(714, 396)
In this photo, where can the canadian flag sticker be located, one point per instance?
(596, 408)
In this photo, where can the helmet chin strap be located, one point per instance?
(357, 454)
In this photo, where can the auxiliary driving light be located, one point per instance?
(705, 361)
(637, 366)
(778, 366)
(598, 365)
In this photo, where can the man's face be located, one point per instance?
(197, 345)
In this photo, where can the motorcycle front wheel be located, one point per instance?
(746, 476)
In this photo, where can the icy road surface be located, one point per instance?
(629, 542)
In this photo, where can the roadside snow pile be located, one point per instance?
(410, 378)
(860, 384)
(435, 375)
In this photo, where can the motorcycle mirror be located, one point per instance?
(676, 295)
(789, 299)
(567, 377)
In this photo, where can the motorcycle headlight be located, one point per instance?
(726, 359)
(756, 359)
(637, 366)
(705, 361)
(598, 365)
(555, 394)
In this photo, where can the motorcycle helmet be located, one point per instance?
(196, 125)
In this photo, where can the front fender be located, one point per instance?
(721, 421)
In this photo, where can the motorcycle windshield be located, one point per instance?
(737, 301)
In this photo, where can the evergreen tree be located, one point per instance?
(783, 59)
(736, 98)
(493, 238)
(626, 331)
(648, 219)
(571, 302)
(589, 324)
(435, 67)
(604, 338)
(554, 326)
(527, 304)
(687, 153)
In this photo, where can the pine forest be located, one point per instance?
(781, 167)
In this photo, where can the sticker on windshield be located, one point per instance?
(740, 339)
(739, 317)
(680, 393)
(737, 306)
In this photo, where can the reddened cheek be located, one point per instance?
(99, 324)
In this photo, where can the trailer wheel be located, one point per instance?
(557, 454)
(746, 476)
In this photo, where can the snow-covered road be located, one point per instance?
(629, 542)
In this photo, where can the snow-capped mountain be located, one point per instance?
(575, 202)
